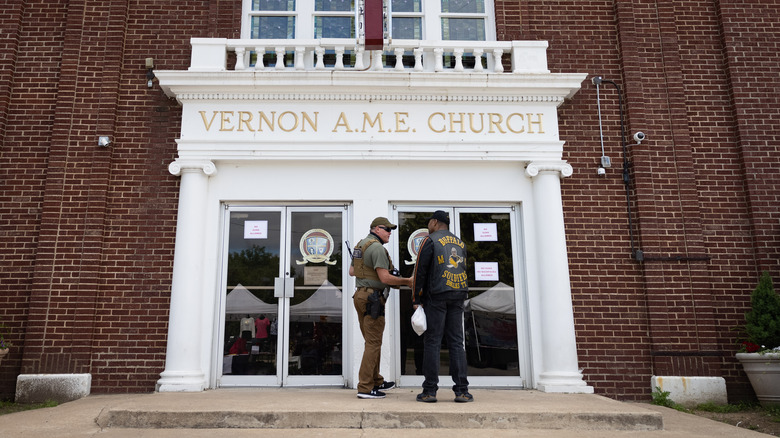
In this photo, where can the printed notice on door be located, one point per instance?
(485, 232)
(486, 271)
(256, 230)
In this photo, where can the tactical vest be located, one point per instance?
(448, 272)
(361, 270)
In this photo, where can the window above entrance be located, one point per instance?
(288, 19)
(451, 20)
(420, 35)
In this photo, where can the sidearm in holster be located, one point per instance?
(376, 304)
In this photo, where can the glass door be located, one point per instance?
(492, 333)
(283, 300)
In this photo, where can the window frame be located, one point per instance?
(432, 19)
(431, 14)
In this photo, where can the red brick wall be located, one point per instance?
(87, 233)
(698, 79)
(751, 37)
(30, 70)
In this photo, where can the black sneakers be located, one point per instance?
(385, 386)
(375, 393)
(426, 398)
(464, 398)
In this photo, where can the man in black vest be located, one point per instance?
(441, 287)
(374, 274)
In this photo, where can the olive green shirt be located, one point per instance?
(374, 257)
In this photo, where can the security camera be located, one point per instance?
(639, 137)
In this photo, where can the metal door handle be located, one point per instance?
(284, 287)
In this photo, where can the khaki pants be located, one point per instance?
(372, 330)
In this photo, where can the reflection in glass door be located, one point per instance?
(283, 297)
(491, 312)
(490, 318)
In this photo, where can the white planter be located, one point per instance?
(763, 370)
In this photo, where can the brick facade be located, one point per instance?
(88, 232)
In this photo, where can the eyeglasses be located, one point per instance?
(386, 229)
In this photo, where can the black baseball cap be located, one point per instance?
(440, 216)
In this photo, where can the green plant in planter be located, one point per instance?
(3, 342)
(762, 322)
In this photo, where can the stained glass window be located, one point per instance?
(407, 6)
(334, 27)
(334, 5)
(463, 6)
(273, 27)
(463, 29)
(273, 5)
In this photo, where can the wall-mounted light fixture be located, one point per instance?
(104, 141)
(149, 72)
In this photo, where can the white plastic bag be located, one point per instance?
(419, 323)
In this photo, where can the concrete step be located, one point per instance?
(318, 408)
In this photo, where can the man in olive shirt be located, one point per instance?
(373, 272)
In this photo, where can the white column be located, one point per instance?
(183, 370)
(560, 370)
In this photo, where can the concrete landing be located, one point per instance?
(326, 412)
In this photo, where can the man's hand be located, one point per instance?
(386, 278)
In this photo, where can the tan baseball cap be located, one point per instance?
(383, 221)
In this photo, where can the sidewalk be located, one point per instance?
(319, 412)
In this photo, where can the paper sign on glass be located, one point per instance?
(255, 229)
(486, 271)
(485, 233)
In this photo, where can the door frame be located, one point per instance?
(525, 362)
(280, 379)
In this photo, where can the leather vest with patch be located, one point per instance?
(448, 271)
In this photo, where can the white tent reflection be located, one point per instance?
(324, 305)
(498, 299)
(240, 301)
(491, 327)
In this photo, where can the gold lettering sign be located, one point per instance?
(242, 121)
(400, 122)
(374, 122)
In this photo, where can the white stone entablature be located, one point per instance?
(281, 115)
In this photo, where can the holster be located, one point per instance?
(376, 304)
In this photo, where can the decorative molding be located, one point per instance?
(365, 97)
(179, 166)
(561, 167)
